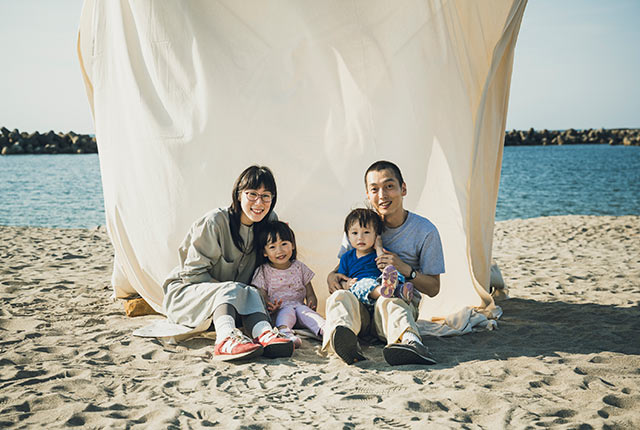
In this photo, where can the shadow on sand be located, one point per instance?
(531, 328)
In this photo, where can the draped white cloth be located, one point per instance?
(186, 94)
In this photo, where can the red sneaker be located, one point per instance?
(275, 344)
(236, 347)
(289, 334)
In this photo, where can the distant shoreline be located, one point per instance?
(15, 142)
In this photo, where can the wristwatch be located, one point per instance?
(412, 275)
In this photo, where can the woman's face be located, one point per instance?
(255, 204)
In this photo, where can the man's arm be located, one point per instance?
(427, 284)
(336, 281)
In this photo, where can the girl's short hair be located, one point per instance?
(270, 233)
(364, 217)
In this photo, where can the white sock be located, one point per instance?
(224, 325)
(260, 328)
(407, 336)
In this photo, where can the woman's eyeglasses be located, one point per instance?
(252, 196)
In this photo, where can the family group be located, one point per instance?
(239, 268)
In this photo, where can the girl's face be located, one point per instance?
(255, 205)
(279, 253)
(361, 238)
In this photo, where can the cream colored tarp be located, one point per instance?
(186, 94)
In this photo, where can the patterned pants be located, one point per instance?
(364, 286)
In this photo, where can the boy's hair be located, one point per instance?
(271, 231)
(384, 165)
(364, 217)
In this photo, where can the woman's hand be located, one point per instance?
(274, 306)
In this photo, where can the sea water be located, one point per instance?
(569, 180)
(65, 190)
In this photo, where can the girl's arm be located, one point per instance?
(312, 300)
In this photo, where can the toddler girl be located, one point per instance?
(286, 282)
(363, 228)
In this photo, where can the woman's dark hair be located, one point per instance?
(364, 217)
(251, 178)
(270, 232)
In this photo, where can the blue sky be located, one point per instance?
(577, 64)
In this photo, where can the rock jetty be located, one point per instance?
(17, 142)
(621, 136)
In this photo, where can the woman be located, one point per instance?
(217, 259)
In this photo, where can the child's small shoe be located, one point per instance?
(389, 281)
(405, 292)
(236, 347)
(275, 344)
(289, 334)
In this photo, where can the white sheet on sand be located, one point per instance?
(464, 321)
(185, 95)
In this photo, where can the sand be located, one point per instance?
(566, 353)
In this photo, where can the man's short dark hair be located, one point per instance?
(384, 165)
(364, 217)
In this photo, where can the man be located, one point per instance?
(412, 244)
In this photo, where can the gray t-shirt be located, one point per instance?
(416, 241)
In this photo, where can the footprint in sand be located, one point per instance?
(76, 420)
(389, 423)
(426, 406)
(362, 398)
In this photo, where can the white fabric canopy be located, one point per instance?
(186, 94)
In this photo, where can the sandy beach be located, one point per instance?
(566, 353)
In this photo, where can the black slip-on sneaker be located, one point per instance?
(411, 352)
(345, 344)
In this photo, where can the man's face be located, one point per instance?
(385, 193)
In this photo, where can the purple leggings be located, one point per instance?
(289, 313)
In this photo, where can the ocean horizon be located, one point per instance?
(65, 191)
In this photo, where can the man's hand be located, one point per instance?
(390, 258)
(334, 281)
(272, 307)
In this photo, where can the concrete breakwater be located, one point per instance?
(16, 142)
(620, 136)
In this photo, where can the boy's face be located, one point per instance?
(385, 192)
(361, 238)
